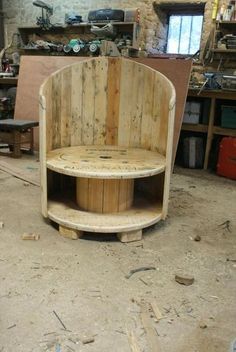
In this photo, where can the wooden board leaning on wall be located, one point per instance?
(35, 69)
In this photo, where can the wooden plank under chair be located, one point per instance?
(106, 135)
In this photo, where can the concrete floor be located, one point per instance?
(84, 281)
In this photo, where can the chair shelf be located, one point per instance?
(113, 162)
(143, 213)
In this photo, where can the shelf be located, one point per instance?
(142, 214)
(9, 80)
(194, 128)
(212, 93)
(81, 25)
(226, 23)
(231, 132)
(63, 34)
(226, 51)
(107, 161)
(216, 98)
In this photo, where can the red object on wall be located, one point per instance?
(227, 158)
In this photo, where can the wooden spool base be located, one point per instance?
(127, 224)
(124, 237)
(104, 196)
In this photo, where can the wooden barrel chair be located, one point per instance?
(106, 132)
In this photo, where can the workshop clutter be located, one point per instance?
(228, 41)
(227, 11)
(193, 152)
(192, 112)
(225, 80)
(104, 15)
(120, 27)
(7, 103)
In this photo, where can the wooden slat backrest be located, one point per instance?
(107, 101)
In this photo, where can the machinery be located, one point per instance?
(106, 15)
(106, 31)
(75, 45)
(73, 19)
(228, 82)
(47, 11)
(94, 46)
(109, 48)
(213, 80)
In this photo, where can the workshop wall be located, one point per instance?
(20, 13)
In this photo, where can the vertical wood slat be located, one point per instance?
(126, 98)
(76, 105)
(113, 101)
(82, 192)
(164, 122)
(43, 151)
(100, 102)
(56, 111)
(130, 193)
(123, 196)
(104, 196)
(95, 195)
(148, 98)
(156, 115)
(88, 96)
(137, 106)
(111, 196)
(66, 107)
(49, 115)
(126, 194)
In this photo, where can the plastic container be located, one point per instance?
(192, 112)
(228, 116)
(193, 152)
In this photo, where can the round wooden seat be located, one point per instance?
(105, 162)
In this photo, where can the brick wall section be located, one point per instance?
(22, 13)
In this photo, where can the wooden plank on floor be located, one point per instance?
(151, 334)
(134, 347)
(18, 173)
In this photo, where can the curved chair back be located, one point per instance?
(103, 100)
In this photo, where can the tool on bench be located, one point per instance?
(47, 11)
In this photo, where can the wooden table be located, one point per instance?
(16, 133)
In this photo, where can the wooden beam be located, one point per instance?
(18, 173)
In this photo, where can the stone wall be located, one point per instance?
(19, 13)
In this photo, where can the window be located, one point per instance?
(184, 34)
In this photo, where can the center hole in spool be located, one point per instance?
(105, 157)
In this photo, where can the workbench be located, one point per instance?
(16, 133)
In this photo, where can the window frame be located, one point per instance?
(180, 32)
(190, 9)
(1, 27)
